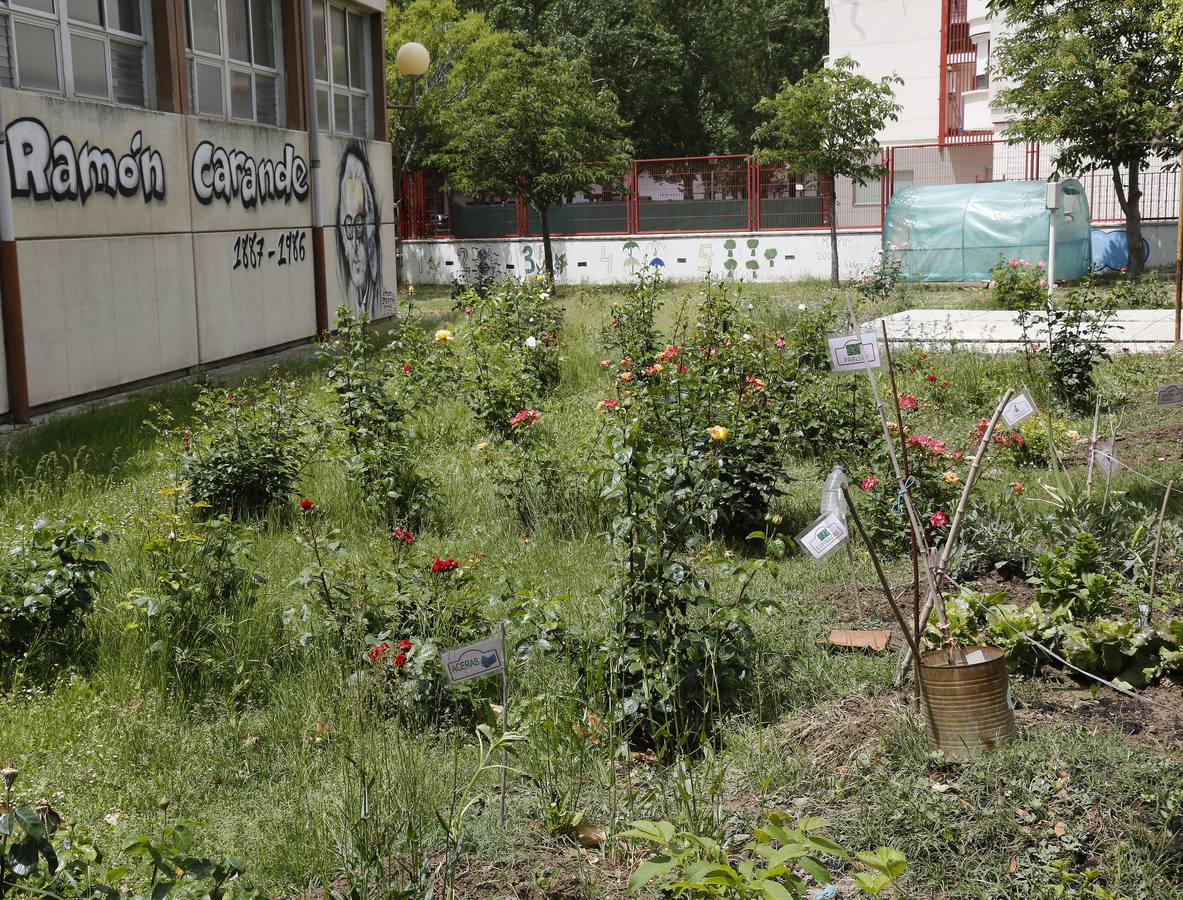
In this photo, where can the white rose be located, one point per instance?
(531, 342)
(802, 307)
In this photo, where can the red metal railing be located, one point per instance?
(738, 194)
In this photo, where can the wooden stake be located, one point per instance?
(504, 720)
(1088, 485)
(915, 551)
(958, 516)
(1162, 514)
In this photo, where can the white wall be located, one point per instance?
(597, 260)
(901, 37)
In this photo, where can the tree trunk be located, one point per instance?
(832, 196)
(1131, 205)
(547, 254)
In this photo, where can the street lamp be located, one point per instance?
(412, 61)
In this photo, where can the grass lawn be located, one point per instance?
(270, 743)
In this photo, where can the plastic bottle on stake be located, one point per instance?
(832, 499)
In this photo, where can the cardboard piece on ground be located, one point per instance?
(876, 639)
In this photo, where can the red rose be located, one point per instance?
(306, 504)
(439, 566)
(404, 644)
(406, 368)
(378, 653)
(402, 536)
(400, 659)
(931, 378)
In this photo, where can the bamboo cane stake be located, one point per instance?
(1088, 485)
(1162, 514)
(915, 551)
(959, 515)
(913, 518)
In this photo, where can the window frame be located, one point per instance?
(64, 28)
(331, 87)
(228, 66)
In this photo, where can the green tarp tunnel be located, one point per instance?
(959, 232)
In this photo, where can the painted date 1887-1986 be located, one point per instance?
(250, 250)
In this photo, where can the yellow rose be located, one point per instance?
(482, 446)
(718, 433)
(1072, 435)
(443, 336)
(951, 477)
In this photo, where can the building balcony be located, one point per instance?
(976, 106)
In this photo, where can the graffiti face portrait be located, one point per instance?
(358, 247)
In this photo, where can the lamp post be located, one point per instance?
(412, 61)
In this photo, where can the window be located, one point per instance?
(94, 49)
(342, 39)
(871, 193)
(235, 59)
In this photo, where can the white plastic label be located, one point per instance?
(849, 353)
(474, 660)
(1017, 410)
(977, 656)
(1106, 458)
(824, 536)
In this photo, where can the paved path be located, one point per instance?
(1134, 330)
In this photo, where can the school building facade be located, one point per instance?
(187, 182)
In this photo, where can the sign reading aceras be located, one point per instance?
(824, 536)
(848, 352)
(474, 660)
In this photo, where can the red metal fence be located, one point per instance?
(737, 194)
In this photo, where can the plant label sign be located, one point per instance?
(474, 660)
(1019, 408)
(1106, 457)
(824, 536)
(1169, 395)
(848, 352)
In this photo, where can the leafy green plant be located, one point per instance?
(631, 332)
(48, 581)
(1019, 285)
(246, 447)
(775, 865)
(878, 282)
(1077, 324)
(376, 396)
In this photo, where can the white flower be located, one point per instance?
(531, 342)
(802, 307)
(544, 295)
(745, 337)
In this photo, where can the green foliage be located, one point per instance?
(1077, 325)
(828, 122)
(880, 281)
(375, 399)
(631, 332)
(776, 864)
(246, 447)
(200, 582)
(1016, 284)
(1096, 82)
(48, 582)
(1147, 292)
(529, 127)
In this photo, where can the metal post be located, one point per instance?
(10, 293)
(319, 286)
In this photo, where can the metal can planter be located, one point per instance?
(967, 708)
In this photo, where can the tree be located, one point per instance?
(460, 44)
(1096, 81)
(687, 72)
(828, 123)
(534, 126)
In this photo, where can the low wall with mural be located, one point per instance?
(752, 256)
(598, 260)
(151, 243)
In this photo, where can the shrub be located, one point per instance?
(879, 282)
(632, 329)
(376, 394)
(246, 448)
(1146, 292)
(48, 582)
(1077, 325)
(1016, 284)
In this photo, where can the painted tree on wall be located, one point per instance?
(828, 123)
(529, 128)
(1097, 81)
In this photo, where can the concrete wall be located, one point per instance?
(150, 242)
(761, 256)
